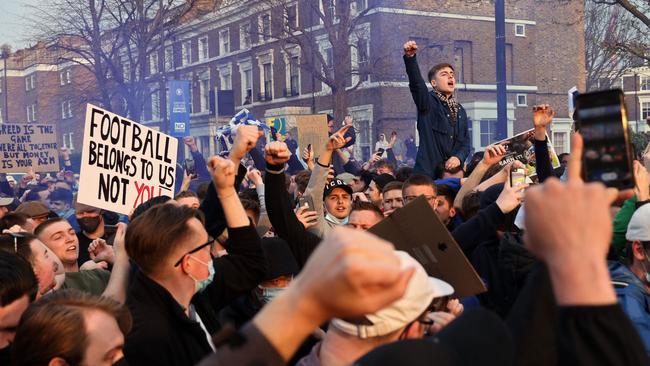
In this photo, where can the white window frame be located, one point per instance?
(126, 71)
(64, 77)
(361, 32)
(2, 116)
(525, 103)
(153, 63)
(285, 22)
(245, 36)
(169, 58)
(224, 42)
(262, 59)
(246, 66)
(520, 30)
(204, 91)
(66, 109)
(644, 80)
(31, 113)
(263, 37)
(30, 82)
(288, 56)
(225, 76)
(155, 105)
(186, 53)
(204, 48)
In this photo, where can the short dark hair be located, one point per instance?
(154, 234)
(18, 243)
(447, 192)
(403, 173)
(45, 224)
(251, 205)
(54, 326)
(302, 180)
(366, 206)
(385, 163)
(419, 180)
(436, 68)
(17, 279)
(186, 194)
(61, 194)
(11, 219)
(392, 186)
(470, 206)
(146, 205)
(32, 195)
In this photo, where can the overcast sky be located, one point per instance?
(13, 28)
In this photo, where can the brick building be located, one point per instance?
(38, 88)
(234, 49)
(636, 85)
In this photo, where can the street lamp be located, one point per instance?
(6, 52)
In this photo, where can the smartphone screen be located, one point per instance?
(380, 151)
(190, 167)
(517, 177)
(109, 233)
(602, 122)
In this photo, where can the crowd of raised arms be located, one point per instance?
(263, 256)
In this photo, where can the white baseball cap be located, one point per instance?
(420, 292)
(639, 226)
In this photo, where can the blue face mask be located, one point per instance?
(200, 285)
(266, 294)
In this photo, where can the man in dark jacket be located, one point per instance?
(176, 294)
(442, 121)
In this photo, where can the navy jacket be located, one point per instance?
(439, 140)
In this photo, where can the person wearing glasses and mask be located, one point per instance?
(175, 297)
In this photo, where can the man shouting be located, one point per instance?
(442, 121)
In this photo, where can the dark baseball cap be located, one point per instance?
(336, 183)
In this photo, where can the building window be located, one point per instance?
(267, 82)
(1, 84)
(2, 116)
(247, 86)
(66, 109)
(645, 110)
(64, 77)
(204, 48)
(153, 63)
(492, 131)
(644, 82)
(265, 26)
(363, 49)
(204, 92)
(244, 36)
(224, 42)
(364, 141)
(30, 82)
(291, 17)
(225, 78)
(126, 71)
(294, 75)
(155, 105)
(520, 30)
(522, 100)
(169, 58)
(31, 113)
(559, 142)
(329, 12)
(186, 53)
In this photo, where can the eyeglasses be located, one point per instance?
(209, 242)
(408, 199)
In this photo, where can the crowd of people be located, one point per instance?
(263, 258)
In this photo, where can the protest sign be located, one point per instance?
(279, 124)
(312, 129)
(431, 245)
(28, 146)
(124, 163)
(522, 147)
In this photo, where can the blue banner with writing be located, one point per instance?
(179, 108)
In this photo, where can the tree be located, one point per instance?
(329, 37)
(637, 44)
(607, 28)
(114, 40)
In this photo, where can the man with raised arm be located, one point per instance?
(442, 121)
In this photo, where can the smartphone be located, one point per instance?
(517, 177)
(308, 202)
(601, 119)
(190, 167)
(380, 151)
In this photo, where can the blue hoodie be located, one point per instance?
(633, 298)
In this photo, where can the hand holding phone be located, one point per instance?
(517, 177)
